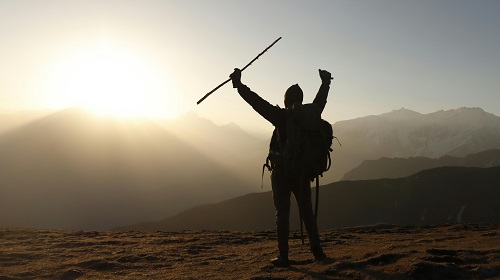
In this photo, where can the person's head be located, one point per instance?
(293, 95)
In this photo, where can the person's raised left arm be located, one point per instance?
(322, 94)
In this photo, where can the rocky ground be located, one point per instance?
(375, 252)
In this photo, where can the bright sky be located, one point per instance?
(160, 57)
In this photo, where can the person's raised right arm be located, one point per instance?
(260, 105)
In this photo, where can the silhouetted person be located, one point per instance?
(285, 184)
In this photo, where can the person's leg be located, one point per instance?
(281, 198)
(302, 193)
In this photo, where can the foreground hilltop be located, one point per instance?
(455, 251)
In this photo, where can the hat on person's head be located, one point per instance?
(292, 95)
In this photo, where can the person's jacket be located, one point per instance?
(276, 115)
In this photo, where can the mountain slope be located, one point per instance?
(402, 167)
(12, 120)
(435, 196)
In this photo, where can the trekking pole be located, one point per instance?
(317, 200)
(225, 82)
(301, 229)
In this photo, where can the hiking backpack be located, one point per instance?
(308, 145)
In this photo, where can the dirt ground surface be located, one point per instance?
(374, 252)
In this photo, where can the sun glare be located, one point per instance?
(111, 81)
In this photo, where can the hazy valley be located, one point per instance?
(76, 170)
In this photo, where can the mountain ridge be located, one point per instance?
(434, 196)
(401, 167)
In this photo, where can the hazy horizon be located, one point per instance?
(262, 131)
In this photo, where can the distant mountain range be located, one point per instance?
(75, 170)
(402, 167)
(435, 196)
(404, 133)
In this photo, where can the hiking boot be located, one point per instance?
(281, 261)
(318, 254)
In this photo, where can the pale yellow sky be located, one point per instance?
(159, 57)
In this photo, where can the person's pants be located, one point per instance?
(282, 188)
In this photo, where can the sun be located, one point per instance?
(110, 80)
